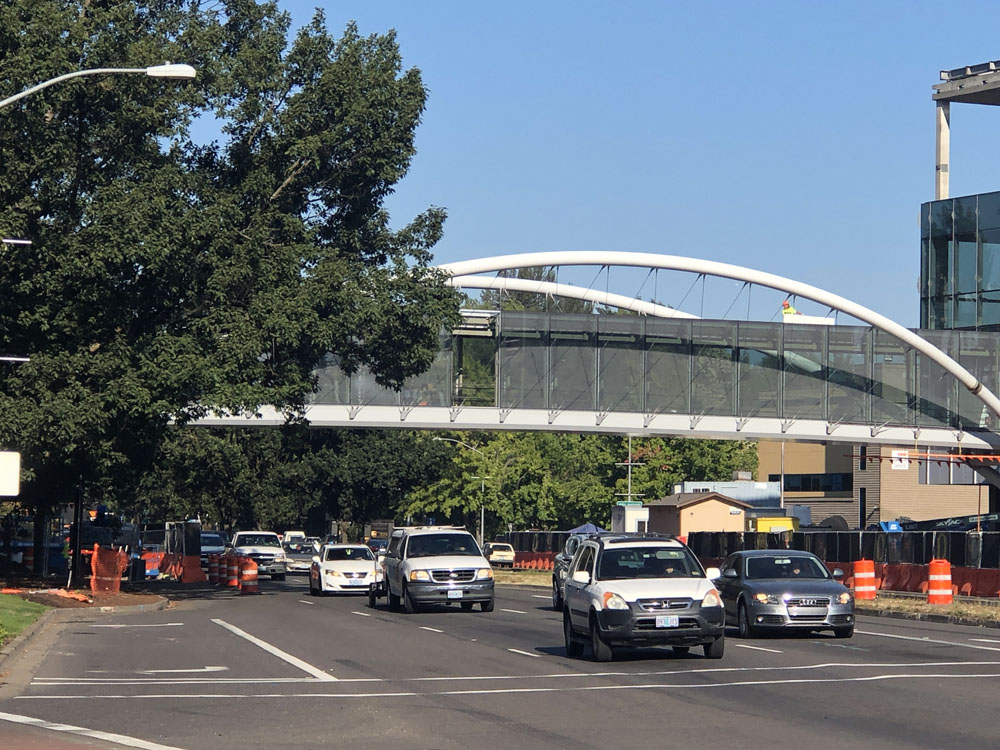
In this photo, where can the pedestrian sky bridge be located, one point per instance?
(662, 372)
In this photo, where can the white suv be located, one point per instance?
(437, 565)
(640, 591)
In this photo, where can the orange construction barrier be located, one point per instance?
(191, 571)
(233, 571)
(213, 568)
(864, 579)
(939, 582)
(106, 568)
(28, 558)
(248, 577)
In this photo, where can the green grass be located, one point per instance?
(15, 615)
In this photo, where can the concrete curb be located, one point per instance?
(924, 617)
(21, 638)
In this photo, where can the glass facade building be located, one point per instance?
(960, 263)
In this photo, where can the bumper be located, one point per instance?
(299, 567)
(693, 627)
(271, 569)
(344, 585)
(502, 563)
(442, 593)
(778, 616)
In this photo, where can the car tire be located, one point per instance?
(574, 647)
(556, 595)
(746, 628)
(393, 600)
(466, 606)
(716, 648)
(681, 650)
(488, 606)
(408, 603)
(312, 589)
(601, 650)
(371, 597)
(844, 632)
(278, 577)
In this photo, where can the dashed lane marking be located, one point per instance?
(539, 596)
(524, 653)
(514, 611)
(985, 640)
(303, 601)
(758, 648)
(362, 614)
(926, 640)
(182, 671)
(433, 630)
(145, 625)
(319, 674)
(92, 733)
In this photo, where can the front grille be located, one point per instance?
(809, 601)
(667, 603)
(260, 558)
(355, 575)
(649, 623)
(807, 618)
(453, 576)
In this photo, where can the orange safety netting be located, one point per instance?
(106, 568)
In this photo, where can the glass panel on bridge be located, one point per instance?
(713, 378)
(523, 360)
(805, 372)
(573, 358)
(668, 366)
(759, 370)
(849, 374)
(936, 388)
(892, 389)
(620, 363)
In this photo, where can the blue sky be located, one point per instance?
(791, 137)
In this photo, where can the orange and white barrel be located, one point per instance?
(939, 582)
(213, 568)
(864, 579)
(233, 571)
(248, 577)
(28, 558)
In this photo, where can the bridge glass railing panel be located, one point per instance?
(523, 360)
(620, 363)
(668, 366)
(434, 387)
(365, 391)
(758, 368)
(893, 391)
(848, 374)
(713, 380)
(804, 352)
(333, 385)
(573, 362)
(475, 360)
(936, 399)
(979, 353)
(989, 241)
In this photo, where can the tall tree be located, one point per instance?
(167, 276)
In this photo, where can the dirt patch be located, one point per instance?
(110, 600)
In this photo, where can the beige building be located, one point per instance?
(687, 512)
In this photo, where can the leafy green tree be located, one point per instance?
(168, 277)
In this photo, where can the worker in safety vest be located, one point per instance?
(787, 309)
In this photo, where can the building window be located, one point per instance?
(862, 507)
(863, 458)
(840, 482)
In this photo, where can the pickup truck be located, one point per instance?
(264, 548)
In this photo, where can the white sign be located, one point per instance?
(900, 460)
(10, 473)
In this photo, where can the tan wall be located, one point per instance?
(901, 494)
(802, 458)
(710, 515)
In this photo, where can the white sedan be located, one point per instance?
(343, 568)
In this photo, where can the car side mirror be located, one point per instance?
(838, 573)
(713, 573)
(315, 558)
(582, 577)
(730, 573)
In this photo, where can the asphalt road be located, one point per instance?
(287, 670)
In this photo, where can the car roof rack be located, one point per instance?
(621, 536)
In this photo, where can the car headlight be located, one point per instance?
(614, 601)
(768, 598)
(844, 598)
(484, 573)
(419, 575)
(712, 599)
(333, 573)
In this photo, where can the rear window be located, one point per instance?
(648, 562)
(501, 548)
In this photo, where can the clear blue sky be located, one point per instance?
(792, 137)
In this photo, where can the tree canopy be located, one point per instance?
(168, 275)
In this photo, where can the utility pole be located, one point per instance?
(629, 495)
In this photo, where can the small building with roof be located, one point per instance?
(685, 512)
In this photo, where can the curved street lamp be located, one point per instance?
(482, 483)
(167, 70)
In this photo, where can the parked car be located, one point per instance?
(560, 568)
(343, 568)
(500, 554)
(264, 548)
(784, 589)
(630, 590)
(436, 565)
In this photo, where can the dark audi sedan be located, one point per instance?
(765, 590)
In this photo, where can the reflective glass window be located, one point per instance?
(891, 386)
(668, 366)
(573, 358)
(759, 370)
(620, 362)
(849, 373)
(804, 350)
(936, 394)
(714, 369)
(523, 359)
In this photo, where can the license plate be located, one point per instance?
(356, 582)
(455, 594)
(667, 621)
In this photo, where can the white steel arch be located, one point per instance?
(739, 273)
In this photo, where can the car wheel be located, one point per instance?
(278, 577)
(312, 589)
(556, 595)
(747, 629)
(393, 600)
(716, 648)
(466, 606)
(844, 632)
(488, 606)
(602, 651)
(371, 597)
(681, 650)
(573, 646)
(408, 604)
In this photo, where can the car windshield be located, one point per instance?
(212, 540)
(785, 566)
(647, 562)
(349, 553)
(432, 545)
(257, 540)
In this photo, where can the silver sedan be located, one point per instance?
(784, 589)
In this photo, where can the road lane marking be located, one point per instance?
(149, 625)
(524, 653)
(433, 630)
(985, 640)
(362, 614)
(926, 640)
(92, 733)
(303, 601)
(178, 671)
(539, 596)
(758, 648)
(514, 611)
(319, 674)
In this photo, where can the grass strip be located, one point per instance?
(15, 615)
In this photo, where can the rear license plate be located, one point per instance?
(667, 621)
(455, 593)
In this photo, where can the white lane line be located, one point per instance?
(362, 614)
(319, 674)
(524, 653)
(433, 630)
(539, 596)
(514, 611)
(179, 671)
(758, 648)
(303, 601)
(926, 640)
(92, 733)
(150, 625)
(985, 640)
(499, 691)
(149, 681)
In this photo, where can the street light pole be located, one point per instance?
(482, 483)
(169, 70)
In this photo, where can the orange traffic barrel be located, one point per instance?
(213, 568)
(939, 582)
(233, 571)
(28, 558)
(248, 577)
(864, 579)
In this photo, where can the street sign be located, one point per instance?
(10, 473)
